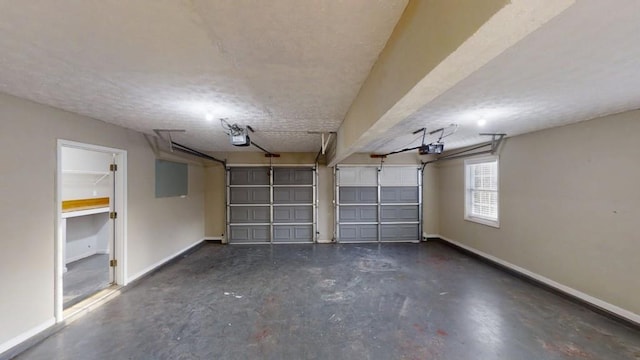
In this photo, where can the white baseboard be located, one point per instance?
(623, 313)
(26, 335)
(51, 322)
(87, 254)
(80, 257)
(161, 262)
(324, 241)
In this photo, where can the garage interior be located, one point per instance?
(400, 179)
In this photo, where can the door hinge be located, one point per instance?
(113, 263)
(113, 215)
(113, 167)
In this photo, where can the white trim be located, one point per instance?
(121, 207)
(60, 230)
(626, 314)
(80, 257)
(85, 146)
(86, 255)
(483, 221)
(118, 204)
(8, 345)
(70, 214)
(467, 199)
(100, 299)
(162, 262)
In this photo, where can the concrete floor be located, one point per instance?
(391, 301)
(84, 278)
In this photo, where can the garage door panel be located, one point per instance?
(293, 176)
(378, 203)
(358, 233)
(249, 214)
(358, 195)
(358, 214)
(399, 194)
(399, 176)
(250, 234)
(249, 176)
(293, 214)
(358, 176)
(399, 213)
(267, 204)
(293, 195)
(292, 233)
(243, 195)
(400, 232)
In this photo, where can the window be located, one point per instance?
(481, 191)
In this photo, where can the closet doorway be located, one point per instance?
(90, 212)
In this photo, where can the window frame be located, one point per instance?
(467, 191)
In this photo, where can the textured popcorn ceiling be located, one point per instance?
(284, 67)
(583, 64)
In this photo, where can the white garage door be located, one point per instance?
(378, 204)
(271, 205)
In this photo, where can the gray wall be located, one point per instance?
(569, 207)
(157, 228)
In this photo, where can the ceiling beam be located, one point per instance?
(435, 45)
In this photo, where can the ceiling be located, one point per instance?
(284, 67)
(287, 67)
(582, 64)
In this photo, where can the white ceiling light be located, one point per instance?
(482, 122)
(208, 109)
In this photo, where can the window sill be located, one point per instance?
(481, 221)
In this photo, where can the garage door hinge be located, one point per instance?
(113, 167)
(113, 215)
(113, 263)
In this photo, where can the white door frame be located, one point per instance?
(119, 205)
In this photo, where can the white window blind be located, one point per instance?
(482, 191)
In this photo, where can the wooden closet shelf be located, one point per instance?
(84, 204)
